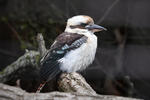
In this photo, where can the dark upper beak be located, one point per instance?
(95, 27)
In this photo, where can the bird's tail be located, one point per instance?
(40, 87)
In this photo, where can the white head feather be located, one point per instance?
(77, 20)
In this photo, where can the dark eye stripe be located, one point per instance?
(72, 27)
(82, 26)
(77, 26)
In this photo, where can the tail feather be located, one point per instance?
(49, 70)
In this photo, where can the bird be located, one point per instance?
(73, 50)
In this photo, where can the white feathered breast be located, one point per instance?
(80, 58)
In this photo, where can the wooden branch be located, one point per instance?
(74, 82)
(30, 58)
(13, 93)
(41, 44)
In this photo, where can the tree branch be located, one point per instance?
(13, 93)
(74, 82)
(41, 44)
(30, 58)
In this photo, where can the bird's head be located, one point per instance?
(82, 24)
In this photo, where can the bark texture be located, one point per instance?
(41, 44)
(30, 58)
(74, 82)
(13, 93)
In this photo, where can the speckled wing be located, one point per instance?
(64, 43)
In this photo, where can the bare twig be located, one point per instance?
(41, 44)
(107, 11)
(14, 31)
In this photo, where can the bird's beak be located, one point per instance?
(95, 28)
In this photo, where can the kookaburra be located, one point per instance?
(73, 50)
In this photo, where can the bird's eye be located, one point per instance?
(83, 24)
(73, 27)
